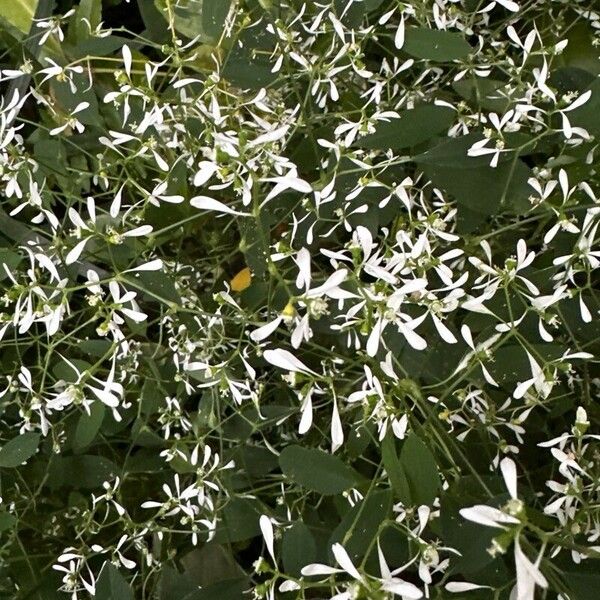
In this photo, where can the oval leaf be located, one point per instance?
(421, 471)
(111, 585)
(439, 46)
(413, 127)
(89, 425)
(298, 548)
(19, 449)
(316, 470)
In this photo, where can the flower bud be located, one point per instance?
(581, 422)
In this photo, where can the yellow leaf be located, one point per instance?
(19, 13)
(242, 280)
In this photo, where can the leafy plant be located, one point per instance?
(299, 299)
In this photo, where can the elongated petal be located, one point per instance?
(399, 37)
(127, 59)
(402, 588)
(270, 136)
(105, 397)
(304, 271)
(456, 587)
(487, 515)
(374, 338)
(342, 558)
(466, 334)
(528, 575)
(134, 315)
(580, 101)
(319, 569)
(412, 337)
(266, 527)
(337, 433)
(331, 283)
(206, 203)
(444, 332)
(509, 5)
(263, 332)
(153, 265)
(509, 472)
(206, 171)
(307, 415)
(286, 360)
(383, 566)
(75, 253)
(139, 231)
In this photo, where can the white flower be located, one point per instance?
(528, 573)
(477, 352)
(388, 581)
(567, 128)
(71, 121)
(286, 360)
(290, 181)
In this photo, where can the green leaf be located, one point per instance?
(372, 4)
(360, 524)
(9, 258)
(144, 461)
(95, 46)
(582, 580)
(359, 439)
(421, 470)
(254, 460)
(511, 365)
(484, 189)
(394, 469)
(19, 13)
(298, 548)
(156, 285)
(316, 470)
(151, 398)
(19, 449)
(232, 589)
(255, 247)
(239, 521)
(51, 156)
(439, 46)
(90, 10)
(453, 153)
(197, 18)
(85, 472)
(248, 64)
(413, 127)
(580, 51)
(173, 584)
(211, 564)
(146, 437)
(6, 520)
(67, 100)
(156, 26)
(214, 13)
(482, 93)
(479, 190)
(472, 540)
(96, 348)
(111, 585)
(63, 370)
(89, 425)
(586, 116)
